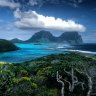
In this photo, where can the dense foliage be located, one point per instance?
(38, 77)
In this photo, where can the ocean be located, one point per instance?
(31, 51)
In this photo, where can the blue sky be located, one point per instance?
(17, 16)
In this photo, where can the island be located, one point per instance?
(6, 46)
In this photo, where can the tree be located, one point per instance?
(59, 79)
(74, 81)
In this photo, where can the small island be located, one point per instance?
(6, 46)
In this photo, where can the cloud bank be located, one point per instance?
(31, 19)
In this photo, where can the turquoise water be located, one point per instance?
(32, 51)
(29, 52)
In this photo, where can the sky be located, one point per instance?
(22, 18)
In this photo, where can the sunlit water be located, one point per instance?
(32, 51)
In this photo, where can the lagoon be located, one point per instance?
(28, 52)
(31, 51)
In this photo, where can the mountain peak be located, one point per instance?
(42, 36)
(72, 37)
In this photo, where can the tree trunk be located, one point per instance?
(90, 83)
(61, 82)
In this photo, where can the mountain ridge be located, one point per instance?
(16, 40)
(47, 37)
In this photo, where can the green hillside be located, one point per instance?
(6, 45)
(41, 77)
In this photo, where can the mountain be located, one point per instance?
(15, 40)
(66, 37)
(6, 45)
(71, 37)
(47, 37)
(42, 36)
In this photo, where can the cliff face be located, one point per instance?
(6, 45)
(71, 37)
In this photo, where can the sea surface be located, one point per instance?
(31, 51)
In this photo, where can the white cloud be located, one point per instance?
(32, 19)
(33, 2)
(9, 3)
(17, 13)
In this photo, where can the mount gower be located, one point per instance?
(47, 37)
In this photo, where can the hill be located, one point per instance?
(6, 45)
(16, 40)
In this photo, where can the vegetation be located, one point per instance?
(6, 45)
(53, 75)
